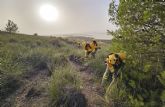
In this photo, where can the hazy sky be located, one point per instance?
(75, 16)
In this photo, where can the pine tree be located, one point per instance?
(141, 34)
(11, 27)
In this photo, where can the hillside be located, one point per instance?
(40, 71)
(46, 71)
(80, 38)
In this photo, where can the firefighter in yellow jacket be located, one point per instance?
(91, 48)
(115, 63)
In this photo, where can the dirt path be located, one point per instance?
(93, 91)
(33, 92)
(34, 89)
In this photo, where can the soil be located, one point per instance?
(34, 89)
(32, 93)
(93, 91)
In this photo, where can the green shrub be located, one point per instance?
(64, 79)
(8, 85)
(21, 53)
(9, 56)
(117, 95)
(143, 75)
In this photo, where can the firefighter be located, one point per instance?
(91, 48)
(114, 65)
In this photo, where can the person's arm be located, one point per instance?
(105, 76)
(98, 47)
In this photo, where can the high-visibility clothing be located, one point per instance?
(90, 48)
(115, 64)
(93, 46)
(114, 60)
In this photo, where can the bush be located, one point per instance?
(64, 88)
(20, 54)
(9, 56)
(8, 85)
(35, 34)
(144, 46)
(116, 95)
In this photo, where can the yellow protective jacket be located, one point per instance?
(90, 47)
(93, 46)
(115, 64)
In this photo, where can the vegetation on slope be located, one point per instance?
(140, 34)
(65, 88)
(22, 54)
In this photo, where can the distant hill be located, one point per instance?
(80, 38)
